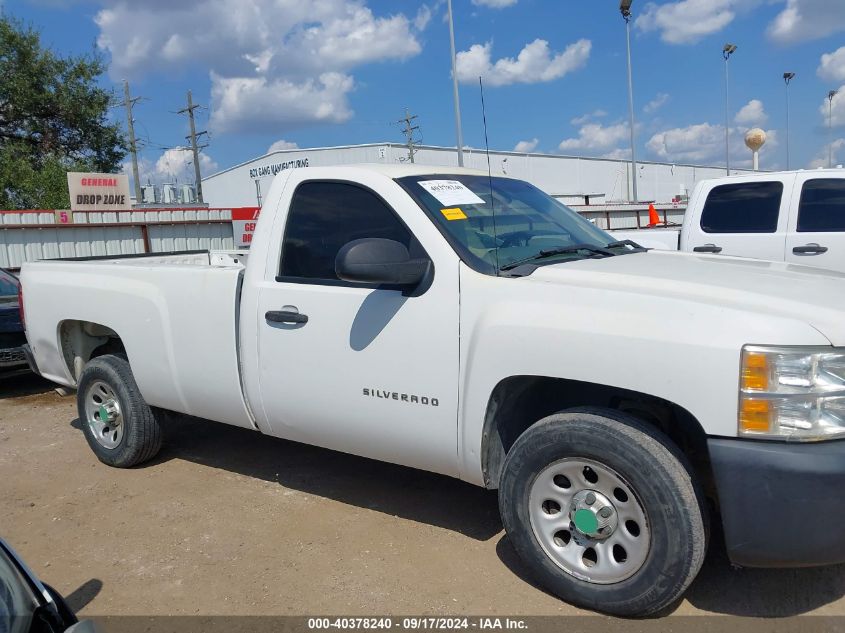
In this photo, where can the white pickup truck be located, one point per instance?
(473, 326)
(793, 216)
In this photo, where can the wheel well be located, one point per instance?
(518, 402)
(83, 340)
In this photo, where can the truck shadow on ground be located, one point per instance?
(454, 505)
(721, 588)
(411, 494)
(23, 384)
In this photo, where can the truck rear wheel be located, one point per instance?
(604, 511)
(119, 426)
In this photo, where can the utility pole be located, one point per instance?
(787, 77)
(408, 131)
(830, 96)
(727, 51)
(133, 148)
(455, 94)
(625, 8)
(194, 147)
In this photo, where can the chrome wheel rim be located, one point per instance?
(589, 521)
(103, 414)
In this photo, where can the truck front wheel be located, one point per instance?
(604, 511)
(119, 426)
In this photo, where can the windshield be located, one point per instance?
(527, 222)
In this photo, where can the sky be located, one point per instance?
(315, 73)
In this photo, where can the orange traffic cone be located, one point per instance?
(653, 216)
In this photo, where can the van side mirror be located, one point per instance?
(378, 261)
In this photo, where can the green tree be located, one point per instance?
(53, 119)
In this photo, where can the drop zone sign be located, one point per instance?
(243, 225)
(98, 192)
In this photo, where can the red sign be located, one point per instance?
(244, 221)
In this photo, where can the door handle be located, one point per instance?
(809, 249)
(285, 316)
(707, 248)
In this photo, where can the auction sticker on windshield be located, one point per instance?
(450, 192)
(453, 214)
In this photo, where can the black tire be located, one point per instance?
(141, 439)
(662, 482)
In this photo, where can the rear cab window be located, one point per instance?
(822, 206)
(747, 207)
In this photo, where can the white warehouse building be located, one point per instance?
(573, 180)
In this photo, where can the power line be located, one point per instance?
(189, 110)
(408, 131)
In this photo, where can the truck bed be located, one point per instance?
(176, 315)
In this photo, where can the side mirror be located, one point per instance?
(379, 261)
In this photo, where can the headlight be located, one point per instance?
(792, 393)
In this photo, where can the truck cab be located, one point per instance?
(795, 216)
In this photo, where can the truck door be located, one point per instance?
(816, 235)
(367, 371)
(747, 219)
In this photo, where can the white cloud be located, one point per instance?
(258, 48)
(823, 158)
(584, 118)
(494, 4)
(655, 104)
(596, 139)
(175, 165)
(832, 66)
(835, 109)
(422, 18)
(688, 21)
(527, 146)
(237, 103)
(280, 145)
(752, 114)
(535, 63)
(803, 20)
(704, 144)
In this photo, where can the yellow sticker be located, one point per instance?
(453, 214)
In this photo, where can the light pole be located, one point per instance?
(727, 51)
(625, 9)
(457, 98)
(787, 77)
(830, 96)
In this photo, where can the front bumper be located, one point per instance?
(782, 504)
(11, 357)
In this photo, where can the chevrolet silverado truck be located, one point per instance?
(792, 216)
(471, 325)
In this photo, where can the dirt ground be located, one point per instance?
(228, 522)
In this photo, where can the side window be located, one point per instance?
(822, 206)
(323, 217)
(749, 207)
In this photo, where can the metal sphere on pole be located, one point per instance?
(456, 96)
(625, 9)
(787, 77)
(830, 96)
(727, 51)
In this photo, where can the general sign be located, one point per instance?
(98, 192)
(243, 225)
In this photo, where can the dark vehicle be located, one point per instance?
(29, 606)
(12, 336)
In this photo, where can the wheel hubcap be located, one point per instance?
(103, 415)
(589, 521)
